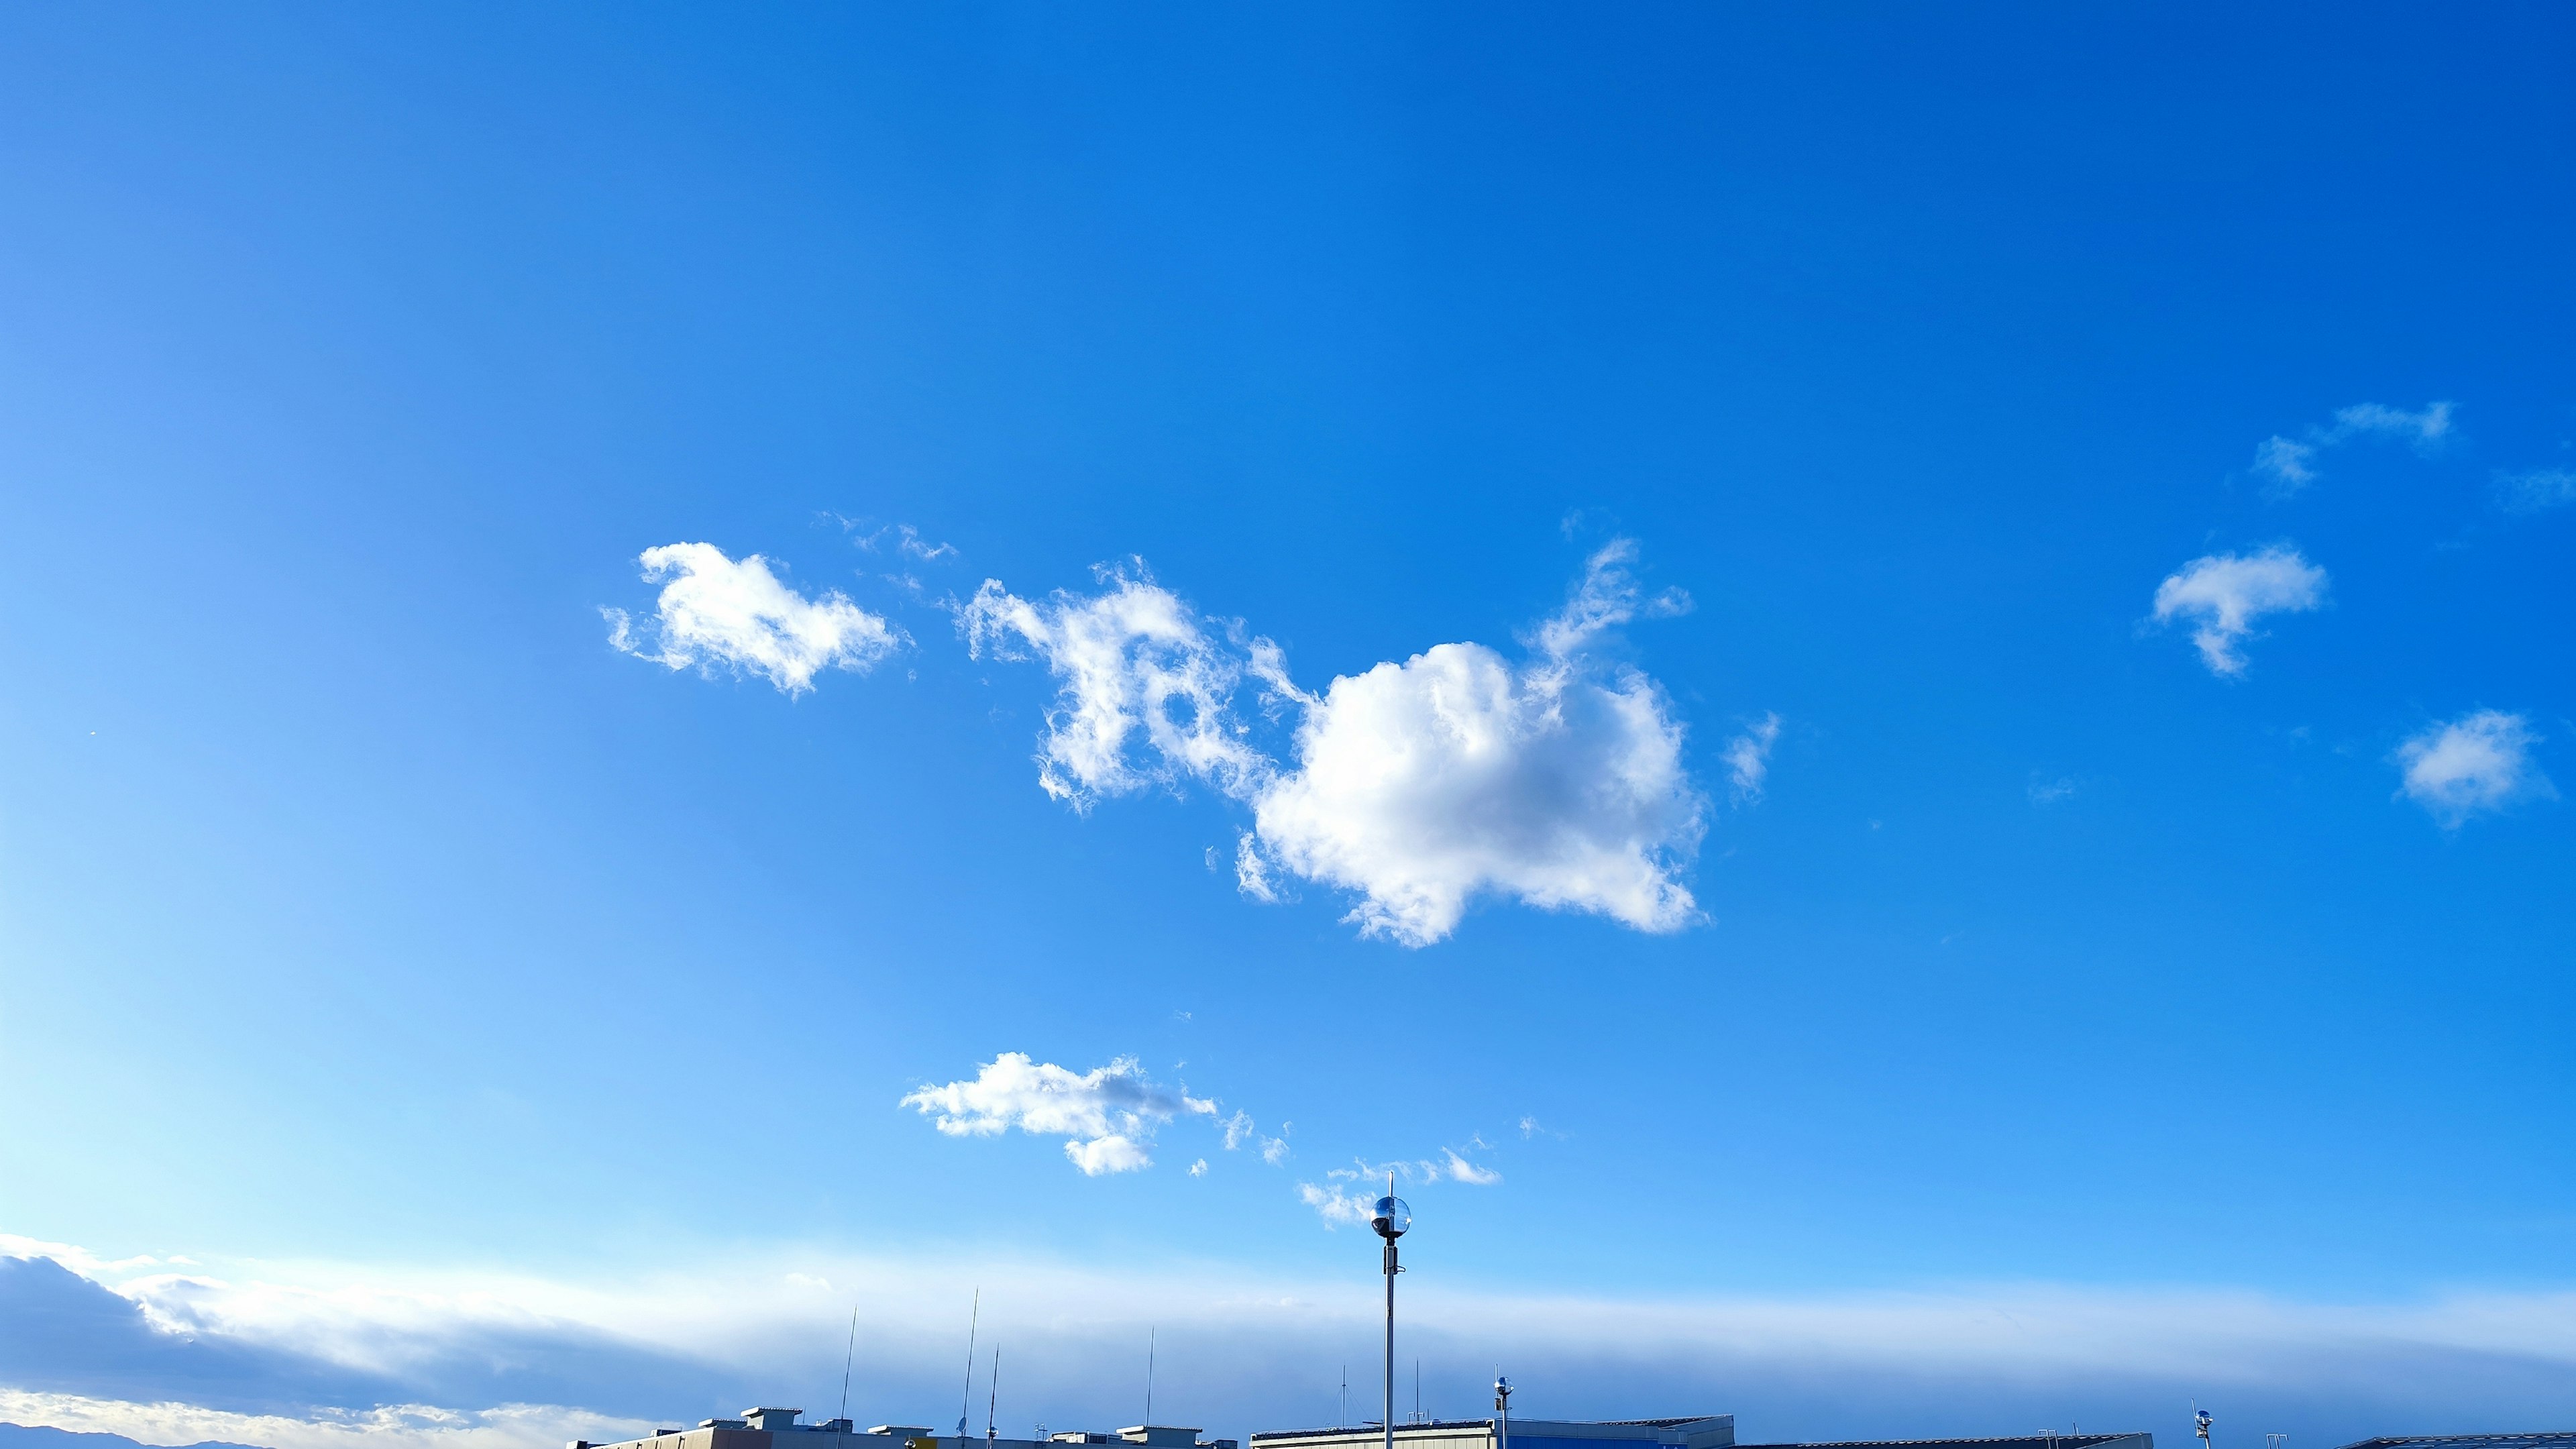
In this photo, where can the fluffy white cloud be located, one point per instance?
(1748, 758)
(1146, 696)
(2536, 490)
(716, 613)
(1107, 1115)
(2225, 593)
(2477, 763)
(1556, 780)
(2290, 464)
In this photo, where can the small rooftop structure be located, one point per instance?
(1698, 1431)
(767, 1428)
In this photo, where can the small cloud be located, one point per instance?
(2044, 791)
(2289, 464)
(2423, 430)
(1274, 1150)
(2535, 491)
(1459, 1169)
(1530, 1127)
(2474, 765)
(1337, 1204)
(1199, 1168)
(2226, 593)
(1107, 1116)
(1748, 758)
(905, 540)
(715, 613)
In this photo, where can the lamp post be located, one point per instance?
(1390, 1217)
(1502, 1412)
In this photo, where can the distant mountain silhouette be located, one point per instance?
(36, 1436)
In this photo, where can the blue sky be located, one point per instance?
(1889, 673)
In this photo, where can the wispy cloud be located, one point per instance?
(2474, 765)
(1555, 780)
(2046, 791)
(2536, 490)
(1748, 758)
(1146, 694)
(2225, 593)
(2290, 464)
(1346, 1194)
(715, 613)
(1107, 1115)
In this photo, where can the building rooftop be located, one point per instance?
(2563, 1439)
(2009, 1441)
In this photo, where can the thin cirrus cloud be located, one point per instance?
(2536, 490)
(1348, 1195)
(1106, 1116)
(1748, 758)
(1556, 779)
(2223, 594)
(2288, 465)
(2475, 765)
(719, 614)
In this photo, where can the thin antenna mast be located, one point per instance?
(847, 1355)
(1150, 1331)
(973, 1317)
(996, 1398)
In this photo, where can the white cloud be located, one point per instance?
(1748, 758)
(2226, 593)
(1337, 1204)
(1460, 1169)
(1107, 1116)
(1199, 1168)
(2473, 765)
(766, 1316)
(907, 541)
(2044, 791)
(1146, 692)
(716, 613)
(1239, 1129)
(2536, 490)
(1556, 780)
(2424, 430)
(1113, 1153)
(391, 1426)
(2291, 464)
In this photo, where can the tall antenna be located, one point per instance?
(1417, 1391)
(1343, 1418)
(1150, 1331)
(996, 1398)
(974, 1316)
(847, 1355)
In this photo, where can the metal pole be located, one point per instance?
(1390, 1333)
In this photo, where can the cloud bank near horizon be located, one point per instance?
(415, 1359)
